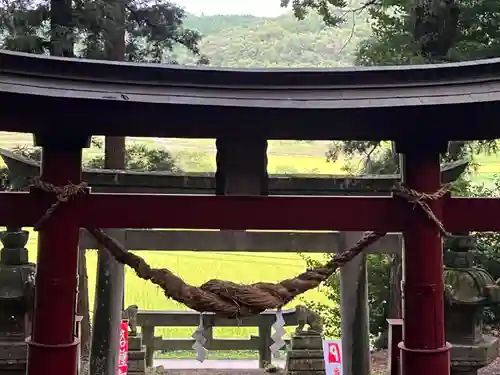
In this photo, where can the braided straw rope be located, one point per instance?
(63, 194)
(226, 298)
(420, 199)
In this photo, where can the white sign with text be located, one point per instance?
(332, 354)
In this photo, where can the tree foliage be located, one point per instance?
(379, 270)
(397, 40)
(329, 312)
(378, 157)
(416, 31)
(139, 157)
(256, 42)
(225, 40)
(425, 28)
(153, 28)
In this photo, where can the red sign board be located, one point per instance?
(123, 354)
(334, 353)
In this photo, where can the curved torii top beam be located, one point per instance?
(111, 98)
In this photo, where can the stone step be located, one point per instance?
(306, 365)
(307, 342)
(135, 342)
(136, 355)
(307, 372)
(136, 367)
(13, 350)
(304, 353)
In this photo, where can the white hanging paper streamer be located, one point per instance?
(199, 341)
(279, 332)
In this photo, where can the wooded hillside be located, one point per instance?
(248, 41)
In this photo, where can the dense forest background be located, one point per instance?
(248, 41)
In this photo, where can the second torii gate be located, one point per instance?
(217, 98)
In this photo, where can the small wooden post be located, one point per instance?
(78, 335)
(107, 310)
(354, 311)
(264, 341)
(148, 337)
(395, 337)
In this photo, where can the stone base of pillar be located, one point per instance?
(136, 356)
(305, 356)
(13, 357)
(468, 359)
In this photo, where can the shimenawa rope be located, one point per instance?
(226, 298)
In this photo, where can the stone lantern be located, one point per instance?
(16, 300)
(468, 290)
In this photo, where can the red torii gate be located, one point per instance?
(111, 99)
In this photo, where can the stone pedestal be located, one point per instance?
(468, 359)
(305, 356)
(16, 300)
(136, 355)
(468, 290)
(13, 357)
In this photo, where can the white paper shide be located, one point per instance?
(199, 342)
(279, 333)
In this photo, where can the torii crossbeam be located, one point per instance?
(197, 211)
(126, 99)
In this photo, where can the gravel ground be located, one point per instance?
(492, 369)
(162, 371)
(379, 367)
(213, 372)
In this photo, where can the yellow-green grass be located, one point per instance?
(282, 164)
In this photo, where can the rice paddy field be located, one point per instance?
(197, 267)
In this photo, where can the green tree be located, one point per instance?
(411, 31)
(153, 28)
(139, 157)
(425, 29)
(463, 31)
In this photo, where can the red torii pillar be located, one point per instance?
(424, 348)
(52, 348)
